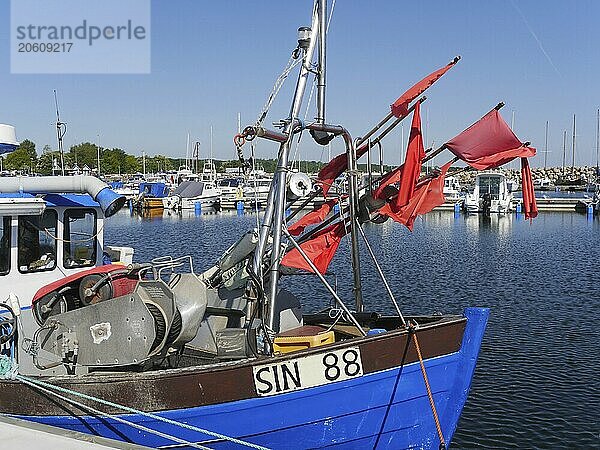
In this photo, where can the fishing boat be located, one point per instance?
(490, 195)
(159, 355)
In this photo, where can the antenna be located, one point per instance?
(61, 129)
(98, 155)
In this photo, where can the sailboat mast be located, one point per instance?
(546, 146)
(564, 151)
(187, 150)
(279, 179)
(573, 162)
(597, 140)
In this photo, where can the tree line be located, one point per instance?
(26, 160)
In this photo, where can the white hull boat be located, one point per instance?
(490, 195)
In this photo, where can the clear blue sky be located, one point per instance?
(211, 60)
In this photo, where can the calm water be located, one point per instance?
(537, 384)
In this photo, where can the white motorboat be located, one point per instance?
(256, 189)
(232, 189)
(543, 184)
(490, 195)
(189, 193)
(451, 189)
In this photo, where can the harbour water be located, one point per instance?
(537, 383)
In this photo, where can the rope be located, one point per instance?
(9, 370)
(117, 419)
(292, 62)
(429, 394)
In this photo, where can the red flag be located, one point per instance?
(400, 106)
(488, 143)
(415, 153)
(336, 167)
(529, 203)
(427, 195)
(320, 249)
(317, 215)
(331, 171)
(392, 177)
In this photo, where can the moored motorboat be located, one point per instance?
(191, 193)
(490, 195)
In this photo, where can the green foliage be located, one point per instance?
(117, 161)
(45, 161)
(24, 158)
(84, 154)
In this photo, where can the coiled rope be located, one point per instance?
(9, 370)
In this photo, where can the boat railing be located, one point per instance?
(167, 264)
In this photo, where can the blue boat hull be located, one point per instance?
(384, 410)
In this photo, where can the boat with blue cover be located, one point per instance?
(158, 355)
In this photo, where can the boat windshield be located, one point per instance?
(489, 185)
(230, 182)
(37, 242)
(5, 245)
(79, 238)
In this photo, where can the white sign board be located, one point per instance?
(309, 371)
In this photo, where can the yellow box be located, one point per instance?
(302, 338)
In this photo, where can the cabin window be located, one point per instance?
(79, 238)
(5, 245)
(490, 185)
(37, 242)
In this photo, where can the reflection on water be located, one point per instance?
(537, 382)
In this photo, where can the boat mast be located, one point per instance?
(573, 162)
(597, 140)
(546, 146)
(307, 44)
(564, 151)
(187, 150)
(322, 76)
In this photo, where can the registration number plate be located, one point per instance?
(307, 371)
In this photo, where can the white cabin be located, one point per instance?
(490, 195)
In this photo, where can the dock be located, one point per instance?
(547, 204)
